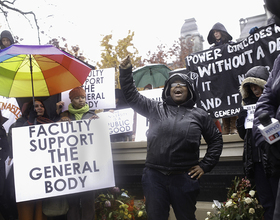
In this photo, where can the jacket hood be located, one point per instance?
(219, 27)
(190, 79)
(257, 75)
(8, 35)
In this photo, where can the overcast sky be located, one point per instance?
(154, 22)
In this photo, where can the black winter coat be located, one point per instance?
(4, 153)
(251, 154)
(175, 131)
(270, 102)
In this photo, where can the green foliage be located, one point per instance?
(112, 55)
(241, 203)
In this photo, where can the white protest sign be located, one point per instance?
(62, 158)
(250, 116)
(142, 123)
(10, 110)
(100, 90)
(120, 121)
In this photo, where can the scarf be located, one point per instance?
(40, 120)
(78, 113)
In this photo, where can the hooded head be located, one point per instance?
(257, 75)
(8, 35)
(180, 77)
(218, 27)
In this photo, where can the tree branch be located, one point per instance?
(4, 5)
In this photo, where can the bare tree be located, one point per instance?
(6, 6)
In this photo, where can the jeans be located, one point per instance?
(81, 206)
(161, 191)
(266, 189)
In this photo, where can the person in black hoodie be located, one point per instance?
(218, 36)
(172, 168)
(6, 39)
(255, 163)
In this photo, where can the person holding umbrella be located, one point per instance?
(33, 114)
(172, 168)
(81, 205)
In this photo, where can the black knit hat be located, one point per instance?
(258, 72)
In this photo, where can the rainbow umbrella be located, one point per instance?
(39, 70)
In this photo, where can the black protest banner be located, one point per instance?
(62, 158)
(221, 69)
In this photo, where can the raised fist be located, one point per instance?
(125, 63)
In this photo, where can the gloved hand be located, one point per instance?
(242, 116)
(125, 63)
(253, 30)
(32, 115)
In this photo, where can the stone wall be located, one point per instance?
(129, 159)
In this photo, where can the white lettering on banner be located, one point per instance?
(228, 112)
(225, 64)
(12, 108)
(63, 158)
(205, 56)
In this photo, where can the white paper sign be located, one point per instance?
(120, 121)
(10, 110)
(142, 123)
(62, 158)
(100, 90)
(250, 116)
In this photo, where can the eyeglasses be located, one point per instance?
(176, 84)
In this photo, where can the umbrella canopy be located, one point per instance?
(44, 70)
(154, 74)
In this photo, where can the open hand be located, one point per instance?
(94, 117)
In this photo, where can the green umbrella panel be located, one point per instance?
(154, 74)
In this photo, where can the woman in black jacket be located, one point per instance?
(7, 205)
(256, 166)
(172, 164)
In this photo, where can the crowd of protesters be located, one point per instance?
(172, 170)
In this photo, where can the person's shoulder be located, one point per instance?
(200, 112)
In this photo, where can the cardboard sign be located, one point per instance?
(120, 121)
(142, 123)
(10, 111)
(100, 90)
(250, 116)
(62, 158)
